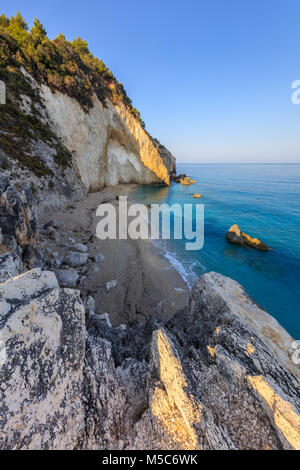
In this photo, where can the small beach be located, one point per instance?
(147, 283)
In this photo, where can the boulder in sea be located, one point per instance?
(177, 178)
(235, 235)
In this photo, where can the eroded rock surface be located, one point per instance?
(216, 376)
(18, 222)
(235, 235)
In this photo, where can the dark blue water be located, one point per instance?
(264, 200)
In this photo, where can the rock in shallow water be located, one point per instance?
(235, 235)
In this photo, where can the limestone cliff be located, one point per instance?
(216, 376)
(109, 144)
(67, 125)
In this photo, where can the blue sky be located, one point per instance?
(212, 78)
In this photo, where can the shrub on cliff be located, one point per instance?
(65, 66)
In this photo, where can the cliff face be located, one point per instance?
(78, 150)
(66, 124)
(109, 144)
(216, 376)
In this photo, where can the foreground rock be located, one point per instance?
(42, 328)
(18, 222)
(216, 376)
(10, 266)
(235, 235)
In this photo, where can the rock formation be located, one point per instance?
(2, 92)
(216, 376)
(106, 139)
(18, 222)
(235, 235)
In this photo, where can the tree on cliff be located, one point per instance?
(38, 32)
(4, 21)
(18, 28)
(80, 45)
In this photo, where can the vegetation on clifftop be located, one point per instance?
(68, 67)
(63, 65)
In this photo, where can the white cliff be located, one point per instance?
(109, 144)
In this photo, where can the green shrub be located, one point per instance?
(65, 66)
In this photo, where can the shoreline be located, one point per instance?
(147, 284)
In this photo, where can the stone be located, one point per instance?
(76, 259)
(67, 277)
(2, 92)
(97, 258)
(218, 375)
(53, 234)
(111, 284)
(44, 339)
(80, 247)
(89, 304)
(10, 266)
(33, 258)
(178, 178)
(58, 225)
(18, 221)
(93, 269)
(235, 235)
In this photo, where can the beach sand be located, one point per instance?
(146, 283)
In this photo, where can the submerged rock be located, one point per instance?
(235, 235)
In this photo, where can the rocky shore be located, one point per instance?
(102, 345)
(101, 348)
(217, 375)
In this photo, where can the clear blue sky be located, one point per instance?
(211, 78)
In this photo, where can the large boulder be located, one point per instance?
(10, 266)
(218, 375)
(43, 349)
(18, 222)
(235, 235)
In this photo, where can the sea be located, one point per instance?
(264, 200)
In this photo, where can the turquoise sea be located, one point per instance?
(264, 200)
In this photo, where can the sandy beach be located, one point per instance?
(142, 282)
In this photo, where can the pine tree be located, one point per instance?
(38, 31)
(18, 28)
(4, 21)
(80, 45)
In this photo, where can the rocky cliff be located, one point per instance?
(67, 125)
(220, 374)
(216, 376)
